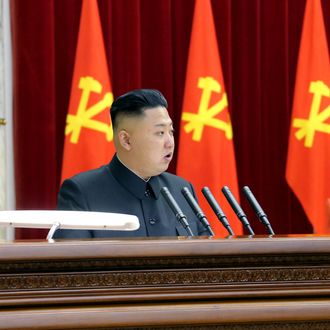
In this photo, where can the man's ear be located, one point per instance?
(124, 139)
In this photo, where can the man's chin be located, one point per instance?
(161, 169)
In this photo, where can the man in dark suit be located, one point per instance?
(131, 182)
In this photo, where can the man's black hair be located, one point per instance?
(135, 102)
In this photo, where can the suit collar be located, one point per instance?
(133, 183)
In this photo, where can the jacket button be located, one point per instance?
(152, 221)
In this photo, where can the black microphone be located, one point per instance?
(217, 209)
(176, 210)
(257, 209)
(237, 209)
(196, 208)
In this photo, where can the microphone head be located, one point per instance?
(185, 191)
(233, 202)
(237, 208)
(205, 189)
(257, 209)
(196, 209)
(170, 200)
(217, 209)
(253, 202)
(176, 209)
(212, 201)
(192, 202)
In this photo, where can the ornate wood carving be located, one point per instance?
(39, 275)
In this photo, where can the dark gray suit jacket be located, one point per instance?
(114, 188)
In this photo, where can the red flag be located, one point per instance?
(88, 131)
(308, 164)
(206, 153)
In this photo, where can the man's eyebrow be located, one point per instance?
(163, 125)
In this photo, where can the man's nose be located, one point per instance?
(169, 142)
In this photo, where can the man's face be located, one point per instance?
(151, 142)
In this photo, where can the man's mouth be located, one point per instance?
(168, 156)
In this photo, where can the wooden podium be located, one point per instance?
(175, 283)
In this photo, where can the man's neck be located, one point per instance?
(144, 179)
